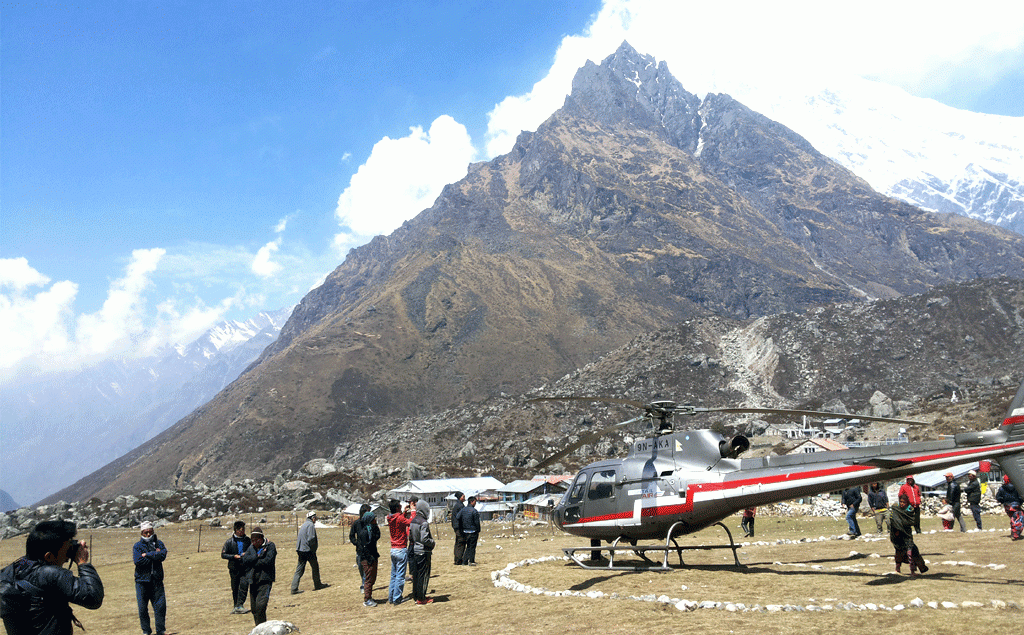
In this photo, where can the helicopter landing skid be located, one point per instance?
(641, 551)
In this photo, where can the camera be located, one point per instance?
(73, 550)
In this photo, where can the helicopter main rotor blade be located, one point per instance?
(586, 438)
(809, 413)
(628, 402)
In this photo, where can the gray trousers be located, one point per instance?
(300, 568)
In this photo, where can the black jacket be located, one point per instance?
(1007, 494)
(953, 495)
(852, 496)
(35, 597)
(468, 520)
(973, 492)
(262, 563)
(878, 499)
(230, 550)
(364, 536)
(456, 508)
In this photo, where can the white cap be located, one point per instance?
(310, 514)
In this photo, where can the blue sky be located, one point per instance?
(164, 166)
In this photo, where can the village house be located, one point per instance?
(439, 493)
(817, 445)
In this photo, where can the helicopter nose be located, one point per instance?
(558, 516)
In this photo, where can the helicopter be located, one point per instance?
(678, 482)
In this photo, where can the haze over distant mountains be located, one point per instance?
(633, 207)
(87, 419)
(918, 150)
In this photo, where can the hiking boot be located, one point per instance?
(369, 602)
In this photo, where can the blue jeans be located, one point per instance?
(146, 592)
(851, 520)
(399, 561)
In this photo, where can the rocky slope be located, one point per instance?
(902, 356)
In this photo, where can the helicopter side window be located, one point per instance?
(601, 485)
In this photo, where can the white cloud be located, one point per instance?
(15, 273)
(173, 326)
(923, 47)
(36, 325)
(121, 320)
(44, 333)
(262, 265)
(401, 178)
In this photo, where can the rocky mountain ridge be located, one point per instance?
(633, 207)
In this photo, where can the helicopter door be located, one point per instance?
(601, 494)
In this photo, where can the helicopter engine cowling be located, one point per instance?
(732, 448)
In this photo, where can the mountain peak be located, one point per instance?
(635, 88)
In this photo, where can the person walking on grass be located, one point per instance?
(306, 546)
(901, 535)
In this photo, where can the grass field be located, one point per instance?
(825, 573)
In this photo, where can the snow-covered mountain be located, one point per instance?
(914, 149)
(94, 416)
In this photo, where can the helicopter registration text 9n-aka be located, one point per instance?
(679, 482)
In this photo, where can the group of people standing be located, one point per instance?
(412, 545)
(903, 518)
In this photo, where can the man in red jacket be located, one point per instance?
(398, 526)
(913, 492)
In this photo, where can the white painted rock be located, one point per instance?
(274, 627)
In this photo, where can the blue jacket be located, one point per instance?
(149, 560)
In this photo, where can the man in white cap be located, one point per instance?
(973, 494)
(149, 554)
(306, 548)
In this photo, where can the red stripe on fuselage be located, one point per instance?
(682, 508)
(1009, 421)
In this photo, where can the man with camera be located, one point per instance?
(36, 592)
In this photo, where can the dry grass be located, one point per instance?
(467, 601)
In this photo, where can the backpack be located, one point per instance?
(17, 596)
